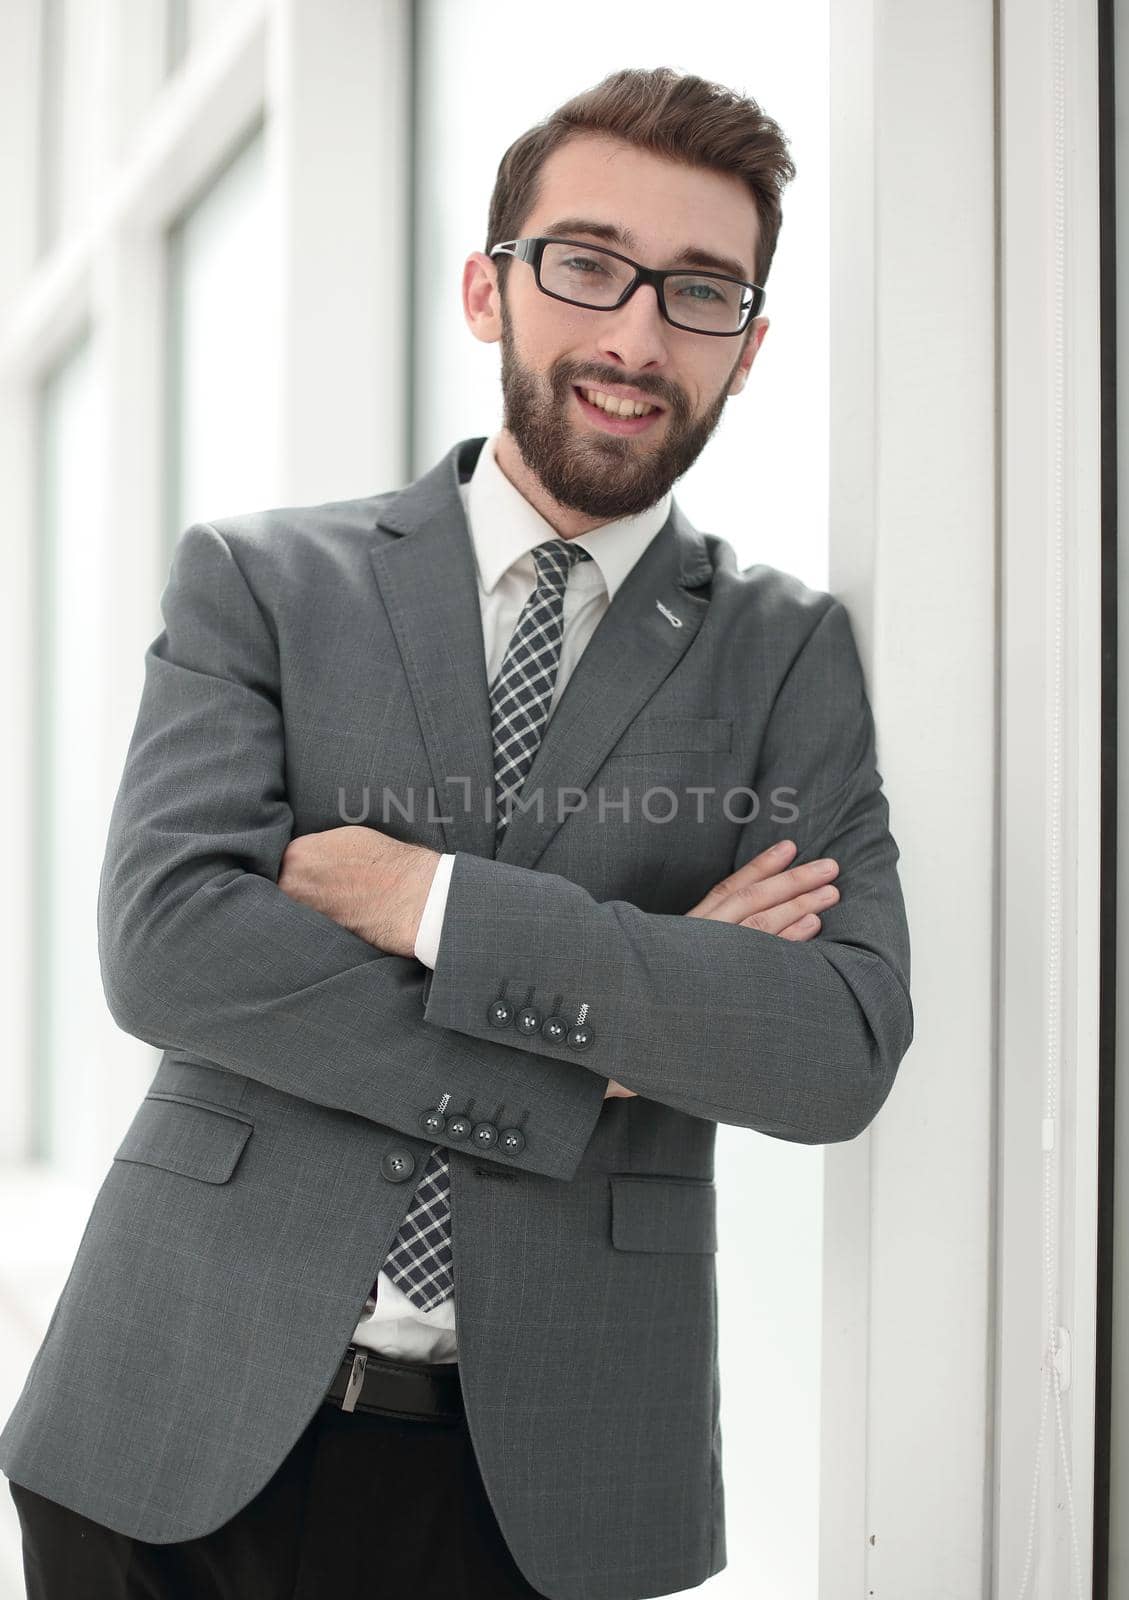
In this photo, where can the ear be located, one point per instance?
(760, 328)
(482, 298)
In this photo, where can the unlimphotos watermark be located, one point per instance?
(607, 805)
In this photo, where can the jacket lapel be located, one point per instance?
(429, 583)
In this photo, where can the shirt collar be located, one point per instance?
(504, 527)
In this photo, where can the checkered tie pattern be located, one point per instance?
(419, 1261)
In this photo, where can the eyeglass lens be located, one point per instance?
(589, 276)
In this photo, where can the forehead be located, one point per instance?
(664, 204)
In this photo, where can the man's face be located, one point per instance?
(548, 347)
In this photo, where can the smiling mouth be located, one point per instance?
(613, 421)
(612, 405)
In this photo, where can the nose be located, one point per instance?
(635, 335)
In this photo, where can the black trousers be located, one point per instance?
(364, 1505)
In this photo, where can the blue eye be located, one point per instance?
(575, 261)
(701, 298)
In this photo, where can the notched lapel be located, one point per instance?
(430, 589)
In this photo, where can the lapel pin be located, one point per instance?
(675, 622)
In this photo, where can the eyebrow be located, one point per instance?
(691, 256)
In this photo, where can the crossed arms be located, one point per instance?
(202, 952)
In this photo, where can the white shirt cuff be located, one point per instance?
(431, 923)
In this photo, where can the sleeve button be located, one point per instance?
(528, 1020)
(581, 1038)
(459, 1127)
(432, 1121)
(500, 1014)
(554, 1029)
(512, 1141)
(485, 1135)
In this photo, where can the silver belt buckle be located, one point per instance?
(356, 1379)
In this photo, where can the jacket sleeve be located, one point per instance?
(201, 951)
(798, 1040)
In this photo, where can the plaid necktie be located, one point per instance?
(420, 1259)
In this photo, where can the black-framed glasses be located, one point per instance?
(602, 280)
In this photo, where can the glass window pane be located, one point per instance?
(74, 565)
(187, 22)
(223, 343)
(176, 35)
(67, 114)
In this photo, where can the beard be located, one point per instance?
(598, 474)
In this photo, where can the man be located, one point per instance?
(404, 1271)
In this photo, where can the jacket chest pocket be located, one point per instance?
(663, 1213)
(667, 776)
(658, 735)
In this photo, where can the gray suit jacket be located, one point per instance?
(307, 653)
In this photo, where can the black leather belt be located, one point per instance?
(428, 1391)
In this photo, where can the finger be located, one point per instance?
(756, 895)
(744, 892)
(801, 931)
(760, 867)
(774, 919)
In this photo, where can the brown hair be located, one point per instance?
(677, 115)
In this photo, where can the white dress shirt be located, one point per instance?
(504, 528)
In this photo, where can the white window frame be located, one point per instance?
(943, 395)
(1050, 708)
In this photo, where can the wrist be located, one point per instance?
(423, 868)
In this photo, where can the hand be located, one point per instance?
(370, 883)
(764, 894)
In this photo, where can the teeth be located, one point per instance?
(616, 408)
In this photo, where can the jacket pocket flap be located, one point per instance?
(664, 1214)
(184, 1136)
(650, 735)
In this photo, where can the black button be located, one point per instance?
(432, 1121)
(528, 1019)
(512, 1141)
(500, 1014)
(485, 1135)
(554, 1029)
(459, 1127)
(396, 1165)
(581, 1038)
